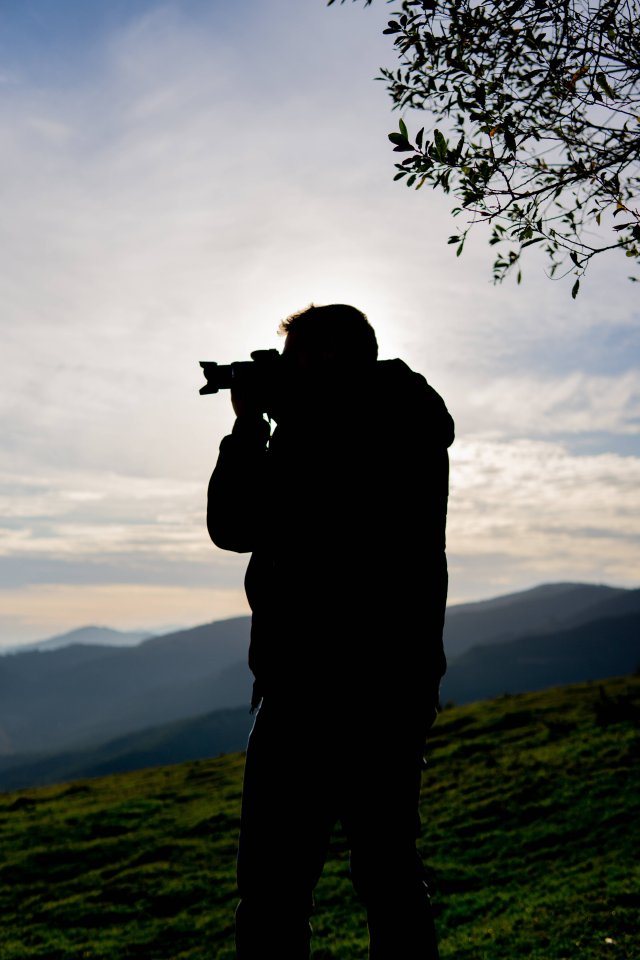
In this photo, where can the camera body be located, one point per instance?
(258, 375)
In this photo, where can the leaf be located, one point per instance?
(575, 288)
(403, 129)
(402, 144)
(579, 73)
(604, 83)
(440, 145)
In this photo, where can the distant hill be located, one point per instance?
(542, 609)
(99, 636)
(594, 650)
(80, 696)
(529, 807)
(223, 731)
(591, 651)
(58, 699)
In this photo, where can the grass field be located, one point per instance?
(531, 827)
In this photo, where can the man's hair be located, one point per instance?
(320, 325)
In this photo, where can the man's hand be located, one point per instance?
(245, 401)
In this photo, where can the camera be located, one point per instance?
(258, 374)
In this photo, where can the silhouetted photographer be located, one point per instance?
(343, 509)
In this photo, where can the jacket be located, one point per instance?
(344, 510)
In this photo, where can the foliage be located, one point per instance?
(529, 807)
(535, 108)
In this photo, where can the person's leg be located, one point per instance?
(399, 913)
(284, 835)
(382, 823)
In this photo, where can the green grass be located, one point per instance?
(531, 828)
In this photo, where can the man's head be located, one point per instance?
(336, 336)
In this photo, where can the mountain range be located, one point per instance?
(83, 694)
(82, 709)
(90, 635)
(542, 609)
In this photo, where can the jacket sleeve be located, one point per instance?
(237, 495)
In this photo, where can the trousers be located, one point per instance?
(304, 772)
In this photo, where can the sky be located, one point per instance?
(179, 176)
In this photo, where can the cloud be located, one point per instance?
(39, 611)
(571, 404)
(88, 516)
(519, 511)
(532, 506)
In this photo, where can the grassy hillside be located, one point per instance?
(530, 812)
